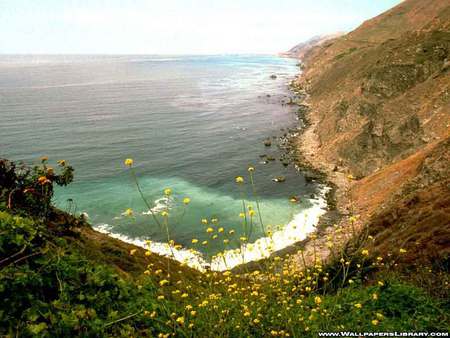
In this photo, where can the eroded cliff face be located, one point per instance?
(380, 105)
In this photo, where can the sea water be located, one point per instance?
(191, 124)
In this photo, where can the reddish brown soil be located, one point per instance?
(380, 110)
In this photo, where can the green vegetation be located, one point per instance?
(52, 285)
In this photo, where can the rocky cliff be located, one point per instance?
(380, 110)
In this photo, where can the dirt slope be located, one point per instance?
(380, 110)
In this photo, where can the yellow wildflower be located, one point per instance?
(209, 230)
(317, 300)
(358, 305)
(167, 191)
(365, 252)
(180, 320)
(186, 200)
(163, 282)
(375, 322)
(251, 169)
(194, 241)
(129, 162)
(402, 250)
(204, 221)
(239, 179)
(132, 252)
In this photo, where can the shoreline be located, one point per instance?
(308, 220)
(299, 147)
(303, 146)
(297, 230)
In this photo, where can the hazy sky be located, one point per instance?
(174, 26)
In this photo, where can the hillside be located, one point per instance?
(380, 110)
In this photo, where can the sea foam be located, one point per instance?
(296, 230)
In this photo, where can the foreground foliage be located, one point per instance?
(51, 287)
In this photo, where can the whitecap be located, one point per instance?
(161, 204)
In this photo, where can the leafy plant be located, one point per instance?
(28, 189)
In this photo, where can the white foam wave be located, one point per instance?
(296, 230)
(160, 205)
(190, 257)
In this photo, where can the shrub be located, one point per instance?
(30, 190)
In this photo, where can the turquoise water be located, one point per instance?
(190, 123)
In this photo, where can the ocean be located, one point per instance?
(190, 123)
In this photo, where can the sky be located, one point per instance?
(174, 26)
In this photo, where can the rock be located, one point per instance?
(294, 199)
(273, 76)
(268, 143)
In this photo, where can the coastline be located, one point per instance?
(293, 235)
(333, 225)
(299, 146)
(296, 231)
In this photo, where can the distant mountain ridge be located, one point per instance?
(298, 51)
